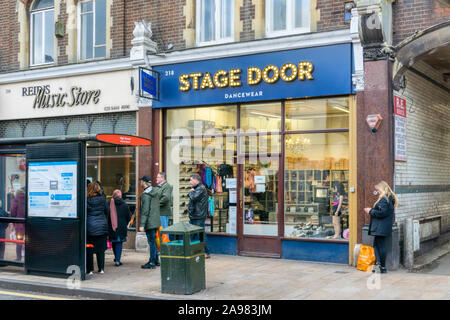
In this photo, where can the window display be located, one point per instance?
(211, 154)
(316, 185)
(312, 139)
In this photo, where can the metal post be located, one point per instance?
(408, 246)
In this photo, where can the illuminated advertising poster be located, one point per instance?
(52, 189)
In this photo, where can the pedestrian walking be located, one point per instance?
(198, 205)
(18, 211)
(165, 200)
(120, 216)
(97, 227)
(150, 219)
(381, 220)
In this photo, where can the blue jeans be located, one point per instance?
(151, 233)
(117, 249)
(201, 223)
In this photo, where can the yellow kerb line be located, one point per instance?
(30, 296)
(181, 257)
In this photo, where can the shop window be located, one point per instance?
(92, 35)
(212, 154)
(316, 184)
(115, 168)
(194, 121)
(215, 21)
(42, 31)
(287, 17)
(317, 114)
(261, 117)
(12, 204)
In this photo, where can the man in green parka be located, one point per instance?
(165, 201)
(150, 219)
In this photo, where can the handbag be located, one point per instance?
(108, 244)
(366, 258)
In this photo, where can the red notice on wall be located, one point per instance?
(400, 129)
(124, 140)
(400, 106)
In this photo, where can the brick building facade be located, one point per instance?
(173, 27)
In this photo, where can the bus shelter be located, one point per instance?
(43, 201)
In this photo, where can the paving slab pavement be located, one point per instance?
(245, 278)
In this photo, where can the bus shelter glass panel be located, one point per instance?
(12, 205)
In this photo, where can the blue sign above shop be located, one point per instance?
(309, 72)
(148, 83)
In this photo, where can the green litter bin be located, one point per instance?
(183, 259)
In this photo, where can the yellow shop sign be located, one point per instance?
(232, 78)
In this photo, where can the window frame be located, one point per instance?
(94, 46)
(43, 12)
(290, 20)
(218, 18)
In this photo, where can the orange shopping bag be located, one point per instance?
(366, 258)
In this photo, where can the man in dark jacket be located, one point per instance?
(198, 205)
(150, 219)
(165, 200)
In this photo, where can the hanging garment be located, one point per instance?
(219, 184)
(211, 206)
(201, 172)
(213, 186)
(225, 170)
(208, 177)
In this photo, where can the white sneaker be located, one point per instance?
(90, 273)
(102, 272)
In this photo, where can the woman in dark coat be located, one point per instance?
(18, 211)
(381, 220)
(120, 216)
(97, 227)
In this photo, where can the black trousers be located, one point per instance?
(99, 243)
(379, 246)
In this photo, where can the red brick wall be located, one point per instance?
(9, 37)
(331, 15)
(166, 17)
(63, 41)
(412, 15)
(247, 13)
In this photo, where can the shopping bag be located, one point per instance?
(108, 244)
(157, 239)
(165, 238)
(366, 258)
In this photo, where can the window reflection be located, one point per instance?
(316, 184)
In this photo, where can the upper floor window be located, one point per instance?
(92, 35)
(287, 16)
(42, 23)
(215, 21)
